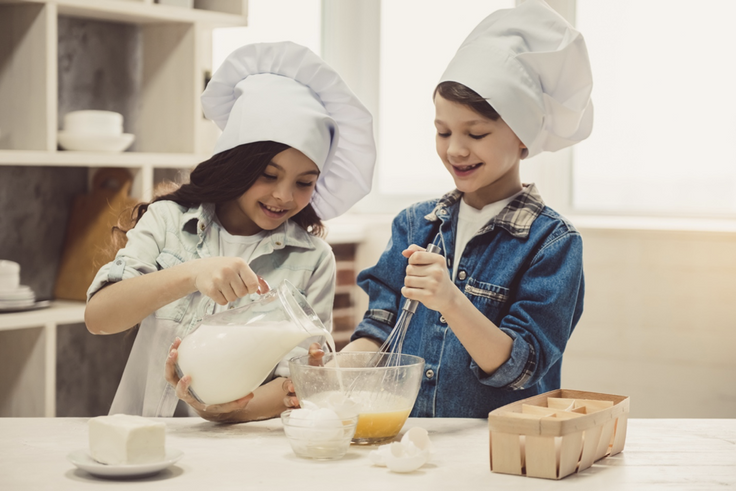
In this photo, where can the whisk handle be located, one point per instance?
(411, 305)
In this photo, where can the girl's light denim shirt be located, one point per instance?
(523, 270)
(169, 234)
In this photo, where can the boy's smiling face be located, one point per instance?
(482, 155)
(283, 190)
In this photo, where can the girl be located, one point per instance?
(296, 147)
(500, 302)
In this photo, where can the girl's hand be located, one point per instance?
(427, 279)
(213, 412)
(225, 279)
(315, 359)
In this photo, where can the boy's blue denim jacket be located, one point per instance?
(523, 270)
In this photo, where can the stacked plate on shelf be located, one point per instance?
(18, 299)
(13, 295)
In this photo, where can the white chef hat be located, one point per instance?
(532, 66)
(283, 92)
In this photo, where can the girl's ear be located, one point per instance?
(524, 151)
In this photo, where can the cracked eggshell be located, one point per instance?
(378, 456)
(408, 455)
(419, 437)
(405, 457)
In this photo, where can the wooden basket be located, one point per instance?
(554, 434)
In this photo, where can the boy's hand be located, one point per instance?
(427, 279)
(225, 279)
(212, 412)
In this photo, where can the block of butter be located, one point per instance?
(123, 439)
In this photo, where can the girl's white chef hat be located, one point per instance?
(532, 66)
(283, 92)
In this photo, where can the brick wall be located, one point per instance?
(343, 314)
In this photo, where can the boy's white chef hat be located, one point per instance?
(283, 92)
(532, 66)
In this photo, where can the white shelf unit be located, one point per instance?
(171, 133)
(28, 350)
(168, 123)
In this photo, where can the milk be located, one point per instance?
(227, 362)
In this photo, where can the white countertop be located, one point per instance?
(685, 454)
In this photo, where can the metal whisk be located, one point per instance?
(394, 344)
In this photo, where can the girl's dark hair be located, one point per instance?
(459, 93)
(226, 176)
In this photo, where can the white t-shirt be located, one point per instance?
(470, 220)
(242, 246)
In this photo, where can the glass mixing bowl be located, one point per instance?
(358, 383)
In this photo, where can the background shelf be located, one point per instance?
(95, 159)
(60, 312)
(222, 13)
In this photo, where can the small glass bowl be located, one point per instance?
(321, 439)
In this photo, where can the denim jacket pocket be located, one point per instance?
(176, 310)
(486, 294)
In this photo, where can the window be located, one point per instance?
(418, 40)
(665, 109)
(271, 21)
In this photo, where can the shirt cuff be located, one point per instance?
(111, 272)
(376, 324)
(515, 372)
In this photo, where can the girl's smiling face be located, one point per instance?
(283, 190)
(481, 154)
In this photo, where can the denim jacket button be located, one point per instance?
(442, 319)
(201, 226)
(429, 373)
(462, 275)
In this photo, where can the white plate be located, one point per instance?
(14, 303)
(21, 291)
(21, 294)
(95, 142)
(23, 307)
(81, 459)
(40, 304)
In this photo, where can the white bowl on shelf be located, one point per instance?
(95, 142)
(93, 121)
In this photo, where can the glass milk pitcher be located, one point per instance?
(229, 354)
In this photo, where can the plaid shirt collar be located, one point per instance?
(516, 218)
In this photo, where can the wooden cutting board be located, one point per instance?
(88, 244)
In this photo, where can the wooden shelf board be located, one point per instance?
(60, 312)
(139, 12)
(99, 159)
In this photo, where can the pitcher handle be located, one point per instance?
(263, 286)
